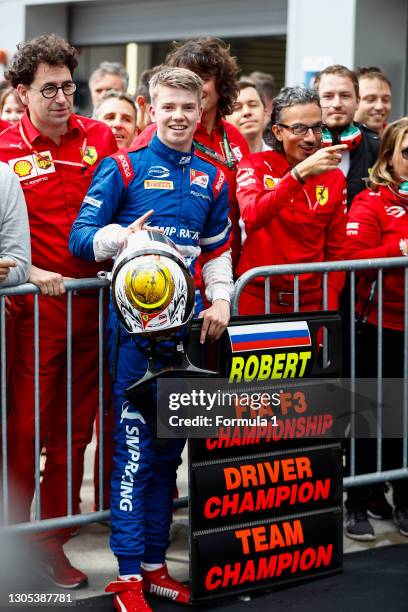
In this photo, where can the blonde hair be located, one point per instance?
(178, 78)
(9, 91)
(382, 173)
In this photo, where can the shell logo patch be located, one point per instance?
(90, 156)
(269, 181)
(23, 168)
(30, 166)
(322, 194)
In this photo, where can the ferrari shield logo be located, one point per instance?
(90, 156)
(322, 195)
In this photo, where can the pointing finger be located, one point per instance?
(138, 223)
(336, 148)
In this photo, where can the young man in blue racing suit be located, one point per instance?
(187, 198)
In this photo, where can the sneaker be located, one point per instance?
(129, 596)
(378, 507)
(401, 520)
(57, 568)
(358, 527)
(160, 583)
(74, 532)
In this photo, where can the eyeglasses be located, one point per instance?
(404, 153)
(50, 91)
(300, 129)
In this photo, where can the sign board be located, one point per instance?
(266, 509)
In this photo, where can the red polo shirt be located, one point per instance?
(54, 191)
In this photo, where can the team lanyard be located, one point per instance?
(56, 161)
(312, 207)
(229, 160)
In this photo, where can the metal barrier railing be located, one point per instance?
(351, 267)
(296, 270)
(70, 519)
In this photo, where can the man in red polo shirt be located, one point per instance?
(215, 139)
(54, 154)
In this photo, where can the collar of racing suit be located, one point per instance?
(178, 158)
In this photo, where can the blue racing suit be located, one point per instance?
(190, 201)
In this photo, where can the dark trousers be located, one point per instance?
(366, 448)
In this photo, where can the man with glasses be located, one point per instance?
(54, 154)
(292, 202)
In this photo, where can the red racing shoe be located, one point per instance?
(129, 595)
(160, 583)
(57, 568)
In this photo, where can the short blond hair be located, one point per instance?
(381, 173)
(178, 78)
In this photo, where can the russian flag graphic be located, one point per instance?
(269, 336)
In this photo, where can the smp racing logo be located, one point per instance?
(133, 457)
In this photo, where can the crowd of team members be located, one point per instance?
(288, 170)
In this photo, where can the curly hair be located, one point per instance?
(287, 97)
(209, 57)
(48, 49)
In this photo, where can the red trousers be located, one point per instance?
(253, 303)
(53, 402)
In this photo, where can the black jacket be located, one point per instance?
(362, 158)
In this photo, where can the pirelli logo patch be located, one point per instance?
(157, 184)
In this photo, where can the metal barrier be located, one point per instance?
(70, 519)
(352, 267)
(297, 270)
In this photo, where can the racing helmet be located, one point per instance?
(152, 287)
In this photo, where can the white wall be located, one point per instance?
(12, 25)
(319, 32)
(381, 38)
